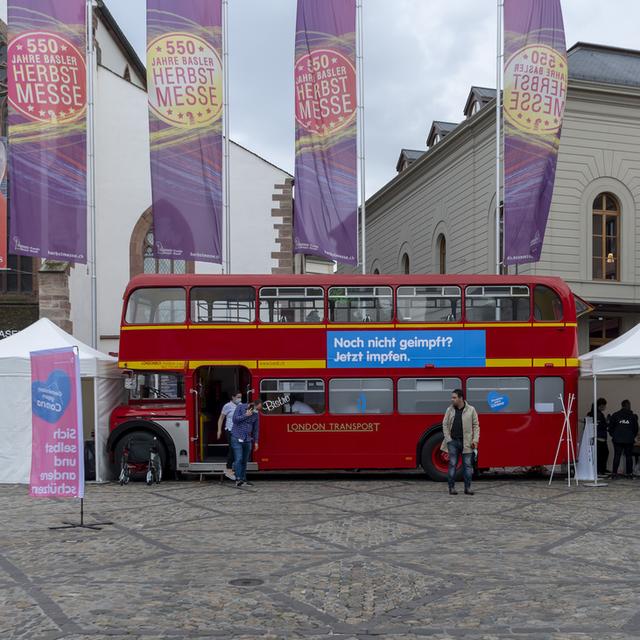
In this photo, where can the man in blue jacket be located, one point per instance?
(244, 437)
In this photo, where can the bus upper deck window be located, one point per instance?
(497, 303)
(547, 305)
(292, 304)
(429, 304)
(212, 305)
(157, 306)
(360, 304)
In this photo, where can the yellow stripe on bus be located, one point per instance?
(508, 362)
(503, 325)
(152, 327)
(425, 325)
(222, 326)
(153, 365)
(249, 364)
(573, 362)
(292, 364)
(545, 325)
(554, 362)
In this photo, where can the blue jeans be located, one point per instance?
(241, 452)
(455, 448)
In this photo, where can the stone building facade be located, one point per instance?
(438, 213)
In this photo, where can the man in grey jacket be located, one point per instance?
(461, 430)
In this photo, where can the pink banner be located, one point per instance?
(57, 450)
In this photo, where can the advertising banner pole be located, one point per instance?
(499, 65)
(91, 177)
(57, 442)
(227, 141)
(361, 141)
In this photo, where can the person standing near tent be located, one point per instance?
(602, 431)
(624, 429)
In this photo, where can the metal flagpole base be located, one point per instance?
(95, 526)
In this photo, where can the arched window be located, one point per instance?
(141, 258)
(442, 254)
(406, 265)
(606, 240)
(151, 264)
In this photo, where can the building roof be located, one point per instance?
(127, 49)
(439, 128)
(482, 94)
(408, 156)
(606, 65)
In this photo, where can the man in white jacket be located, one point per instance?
(461, 430)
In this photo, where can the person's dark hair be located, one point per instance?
(458, 392)
(601, 402)
(257, 402)
(626, 404)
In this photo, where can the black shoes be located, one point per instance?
(239, 483)
(452, 492)
(468, 492)
(248, 484)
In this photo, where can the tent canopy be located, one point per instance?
(101, 381)
(619, 357)
(43, 334)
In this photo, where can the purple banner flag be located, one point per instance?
(535, 93)
(184, 77)
(326, 200)
(47, 78)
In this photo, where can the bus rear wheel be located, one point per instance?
(434, 461)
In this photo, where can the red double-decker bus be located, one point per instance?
(355, 371)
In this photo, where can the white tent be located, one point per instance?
(619, 357)
(102, 390)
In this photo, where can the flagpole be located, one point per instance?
(91, 174)
(361, 145)
(499, 71)
(226, 191)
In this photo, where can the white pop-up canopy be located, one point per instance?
(619, 357)
(102, 390)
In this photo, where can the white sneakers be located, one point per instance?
(230, 474)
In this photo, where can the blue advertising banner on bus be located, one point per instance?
(406, 349)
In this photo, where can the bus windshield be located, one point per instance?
(156, 386)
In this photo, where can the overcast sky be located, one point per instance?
(421, 58)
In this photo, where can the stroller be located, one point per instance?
(139, 458)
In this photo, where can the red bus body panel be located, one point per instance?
(363, 441)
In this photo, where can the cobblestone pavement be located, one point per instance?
(348, 557)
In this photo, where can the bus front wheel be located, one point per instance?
(434, 461)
